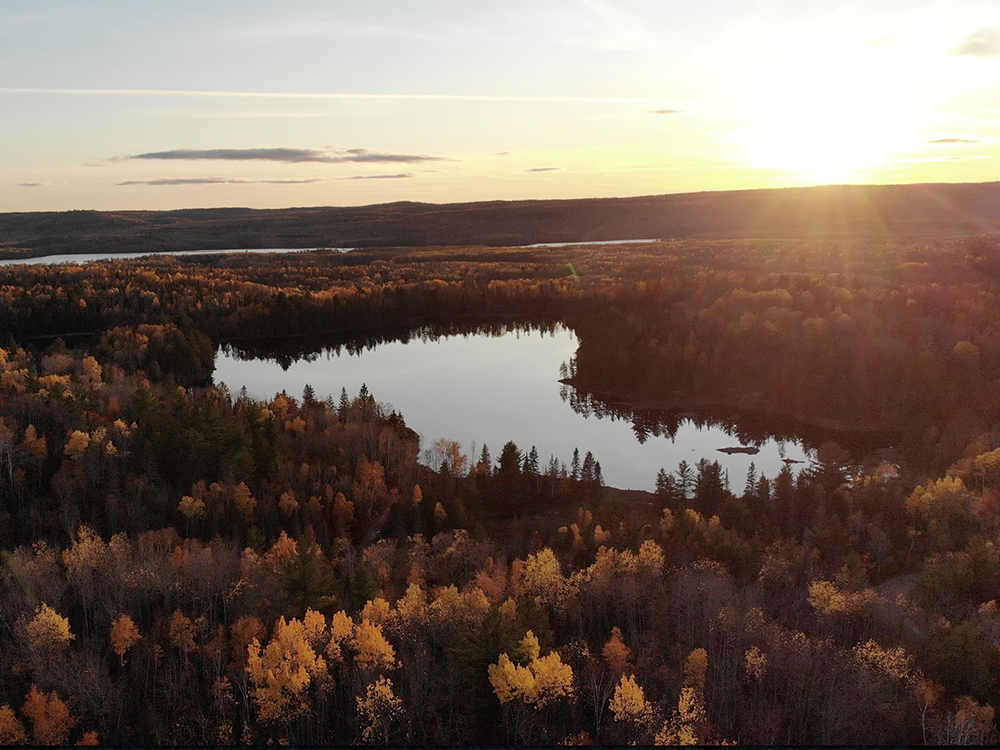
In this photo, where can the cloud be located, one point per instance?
(33, 184)
(284, 155)
(666, 112)
(400, 176)
(502, 153)
(305, 95)
(216, 181)
(544, 169)
(922, 159)
(983, 43)
(328, 28)
(953, 139)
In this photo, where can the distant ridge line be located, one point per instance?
(891, 212)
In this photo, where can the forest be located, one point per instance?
(182, 564)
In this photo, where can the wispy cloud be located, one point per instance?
(284, 155)
(324, 27)
(196, 94)
(982, 43)
(953, 139)
(217, 181)
(585, 24)
(544, 169)
(34, 184)
(922, 159)
(666, 112)
(400, 176)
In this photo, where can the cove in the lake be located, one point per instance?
(480, 388)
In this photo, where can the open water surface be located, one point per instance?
(481, 388)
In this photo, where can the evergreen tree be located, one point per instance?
(667, 487)
(344, 406)
(685, 479)
(575, 471)
(587, 472)
(751, 485)
(308, 396)
(509, 463)
(531, 462)
(485, 461)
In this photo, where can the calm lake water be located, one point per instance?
(49, 260)
(477, 389)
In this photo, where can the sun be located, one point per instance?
(824, 114)
(818, 142)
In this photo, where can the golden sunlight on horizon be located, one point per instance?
(352, 103)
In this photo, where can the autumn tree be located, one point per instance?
(283, 671)
(380, 711)
(12, 731)
(124, 635)
(51, 720)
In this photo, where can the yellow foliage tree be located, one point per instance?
(48, 631)
(283, 671)
(77, 444)
(38, 447)
(244, 501)
(124, 635)
(51, 720)
(341, 627)
(182, 633)
(629, 702)
(616, 653)
(755, 663)
(688, 724)
(544, 680)
(191, 507)
(529, 647)
(373, 651)
(377, 611)
(314, 626)
(380, 709)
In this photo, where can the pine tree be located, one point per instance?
(587, 470)
(308, 396)
(344, 406)
(531, 462)
(485, 461)
(685, 479)
(750, 489)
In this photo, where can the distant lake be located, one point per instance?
(479, 388)
(49, 260)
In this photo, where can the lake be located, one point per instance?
(478, 388)
(49, 260)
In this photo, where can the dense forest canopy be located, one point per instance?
(186, 565)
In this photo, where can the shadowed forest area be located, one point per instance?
(186, 565)
(887, 212)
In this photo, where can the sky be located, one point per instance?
(152, 104)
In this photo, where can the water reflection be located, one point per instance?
(494, 384)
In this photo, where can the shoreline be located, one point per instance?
(698, 408)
